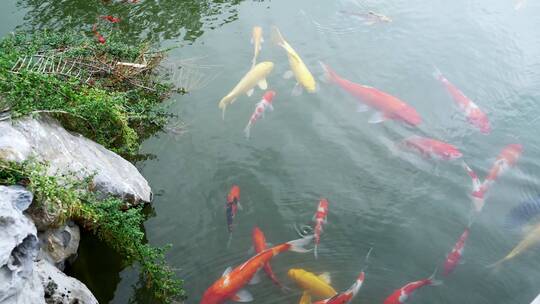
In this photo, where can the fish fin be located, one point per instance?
(325, 276)
(263, 85)
(299, 244)
(360, 108)
(377, 117)
(297, 90)
(250, 92)
(288, 74)
(306, 298)
(239, 206)
(227, 271)
(256, 279)
(242, 296)
(316, 251)
(270, 107)
(433, 275)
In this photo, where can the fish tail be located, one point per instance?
(276, 36)
(497, 265)
(247, 130)
(329, 75)
(437, 73)
(299, 244)
(433, 281)
(223, 104)
(366, 259)
(316, 251)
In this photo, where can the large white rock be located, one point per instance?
(45, 138)
(18, 248)
(60, 288)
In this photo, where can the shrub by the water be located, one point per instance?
(107, 219)
(116, 106)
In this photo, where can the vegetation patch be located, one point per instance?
(120, 229)
(110, 93)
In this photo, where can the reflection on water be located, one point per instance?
(153, 20)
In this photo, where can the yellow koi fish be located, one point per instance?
(312, 284)
(257, 40)
(255, 76)
(298, 69)
(532, 238)
(306, 298)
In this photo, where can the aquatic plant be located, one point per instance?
(109, 93)
(70, 198)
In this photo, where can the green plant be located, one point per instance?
(71, 198)
(116, 107)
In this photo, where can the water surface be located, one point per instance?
(411, 211)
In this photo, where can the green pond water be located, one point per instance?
(408, 209)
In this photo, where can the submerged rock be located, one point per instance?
(60, 244)
(18, 248)
(45, 138)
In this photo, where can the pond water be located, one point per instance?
(409, 209)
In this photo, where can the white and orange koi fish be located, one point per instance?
(262, 106)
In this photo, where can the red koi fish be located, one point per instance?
(229, 286)
(400, 296)
(474, 115)
(478, 192)
(453, 258)
(347, 296)
(110, 18)
(432, 148)
(259, 244)
(99, 37)
(320, 218)
(262, 106)
(508, 158)
(232, 205)
(386, 105)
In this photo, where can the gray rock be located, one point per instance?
(60, 244)
(45, 138)
(62, 289)
(18, 249)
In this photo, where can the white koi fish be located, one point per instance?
(262, 106)
(299, 70)
(257, 40)
(255, 76)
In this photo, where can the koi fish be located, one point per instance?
(320, 218)
(262, 106)
(508, 158)
(386, 105)
(255, 76)
(99, 37)
(400, 296)
(110, 18)
(478, 192)
(370, 17)
(256, 39)
(523, 213)
(453, 258)
(312, 284)
(432, 148)
(304, 78)
(229, 286)
(259, 244)
(306, 298)
(474, 115)
(531, 239)
(347, 296)
(233, 203)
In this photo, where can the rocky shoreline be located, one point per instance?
(33, 250)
